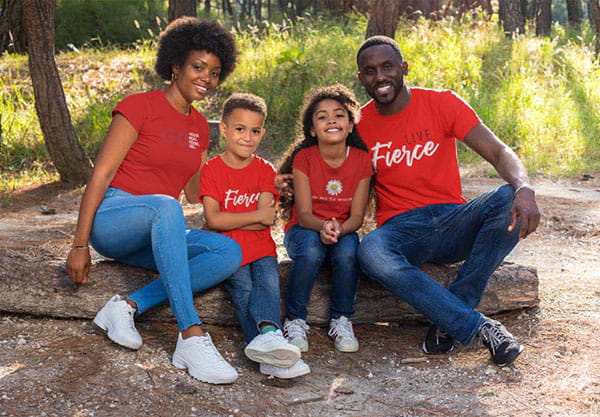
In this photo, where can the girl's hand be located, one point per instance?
(268, 214)
(330, 232)
(78, 265)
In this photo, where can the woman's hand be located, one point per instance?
(78, 265)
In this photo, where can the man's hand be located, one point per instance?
(524, 208)
(284, 184)
(78, 265)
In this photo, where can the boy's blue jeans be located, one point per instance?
(254, 289)
(149, 231)
(476, 232)
(308, 253)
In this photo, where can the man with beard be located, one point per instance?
(422, 216)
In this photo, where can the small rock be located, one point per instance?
(21, 341)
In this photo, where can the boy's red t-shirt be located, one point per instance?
(414, 151)
(332, 189)
(237, 191)
(168, 149)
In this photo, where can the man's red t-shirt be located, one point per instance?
(332, 189)
(237, 191)
(414, 151)
(168, 149)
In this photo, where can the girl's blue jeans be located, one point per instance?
(308, 253)
(254, 289)
(475, 232)
(149, 231)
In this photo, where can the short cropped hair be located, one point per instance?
(244, 101)
(379, 40)
(187, 34)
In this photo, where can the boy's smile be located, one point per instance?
(242, 130)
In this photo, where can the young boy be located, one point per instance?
(238, 192)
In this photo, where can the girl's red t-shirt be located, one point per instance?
(168, 149)
(237, 191)
(332, 189)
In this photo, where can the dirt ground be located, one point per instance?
(51, 367)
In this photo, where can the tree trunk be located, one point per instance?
(66, 152)
(594, 15)
(41, 287)
(178, 8)
(206, 8)
(512, 18)
(12, 32)
(543, 18)
(383, 18)
(575, 12)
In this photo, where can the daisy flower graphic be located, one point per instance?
(334, 187)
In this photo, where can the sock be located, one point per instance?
(268, 329)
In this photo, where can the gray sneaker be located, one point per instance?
(340, 330)
(503, 346)
(295, 331)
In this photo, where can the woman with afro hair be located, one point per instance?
(130, 212)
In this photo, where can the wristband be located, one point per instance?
(524, 185)
(81, 247)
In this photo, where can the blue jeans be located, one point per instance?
(149, 231)
(308, 254)
(475, 232)
(254, 289)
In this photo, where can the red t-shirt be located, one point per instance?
(168, 149)
(332, 189)
(414, 151)
(237, 191)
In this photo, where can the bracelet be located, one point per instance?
(524, 185)
(81, 247)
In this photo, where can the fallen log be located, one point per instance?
(40, 286)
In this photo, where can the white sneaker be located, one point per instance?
(295, 331)
(203, 361)
(116, 318)
(273, 349)
(340, 330)
(298, 369)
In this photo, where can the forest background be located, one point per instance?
(538, 89)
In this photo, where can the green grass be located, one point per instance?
(540, 95)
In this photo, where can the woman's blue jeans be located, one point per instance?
(149, 231)
(476, 232)
(254, 289)
(308, 253)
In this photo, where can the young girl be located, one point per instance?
(331, 174)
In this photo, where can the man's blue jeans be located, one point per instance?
(254, 289)
(476, 232)
(149, 231)
(308, 254)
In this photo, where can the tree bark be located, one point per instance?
(594, 16)
(383, 18)
(40, 286)
(67, 154)
(543, 18)
(575, 12)
(12, 32)
(512, 18)
(178, 8)
(206, 8)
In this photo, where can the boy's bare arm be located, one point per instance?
(222, 221)
(266, 202)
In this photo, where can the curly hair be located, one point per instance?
(379, 40)
(187, 34)
(244, 101)
(304, 139)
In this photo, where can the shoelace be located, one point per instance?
(493, 335)
(341, 328)
(130, 311)
(296, 328)
(440, 334)
(209, 347)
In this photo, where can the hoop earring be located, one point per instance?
(173, 76)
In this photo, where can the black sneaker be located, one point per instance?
(502, 344)
(437, 341)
